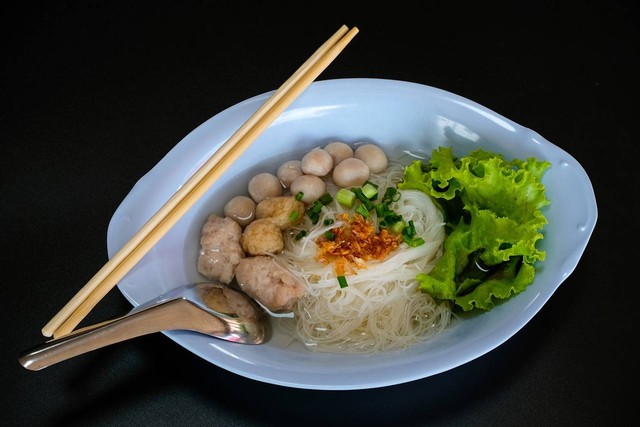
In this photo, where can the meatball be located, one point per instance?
(262, 236)
(311, 187)
(284, 211)
(264, 185)
(241, 209)
(226, 300)
(317, 162)
(288, 171)
(220, 248)
(338, 151)
(351, 172)
(269, 283)
(373, 156)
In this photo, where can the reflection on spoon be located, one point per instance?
(210, 308)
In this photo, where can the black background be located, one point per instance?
(94, 94)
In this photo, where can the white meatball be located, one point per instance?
(264, 185)
(241, 209)
(317, 162)
(351, 172)
(373, 156)
(338, 151)
(289, 171)
(311, 186)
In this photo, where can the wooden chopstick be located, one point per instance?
(159, 224)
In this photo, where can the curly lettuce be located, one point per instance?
(493, 212)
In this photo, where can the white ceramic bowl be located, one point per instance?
(394, 114)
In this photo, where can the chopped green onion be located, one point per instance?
(293, 216)
(328, 221)
(382, 210)
(409, 235)
(325, 199)
(391, 195)
(365, 201)
(416, 242)
(362, 211)
(413, 242)
(314, 212)
(397, 227)
(393, 218)
(316, 207)
(329, 235)
(342, 281)
(299, 195)
(410, 230)
(370, 190)
(346, 198)
(300, 235)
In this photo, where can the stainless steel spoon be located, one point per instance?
(209, 308)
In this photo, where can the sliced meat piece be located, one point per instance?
(220, 250)
(272, 285)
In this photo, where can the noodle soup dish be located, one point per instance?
(361, 316)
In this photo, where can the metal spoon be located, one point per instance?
(209, 308)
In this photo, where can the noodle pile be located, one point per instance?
(382, 308)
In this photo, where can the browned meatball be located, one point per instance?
(285, 211)
(271, 284)
(262, 236)
(220, 249)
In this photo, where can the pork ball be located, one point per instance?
(311, 186)
(338, 151)
(351, 172)
(373, 156)
(264, 185)
(241, 209)
(317, 162)
(289, 171)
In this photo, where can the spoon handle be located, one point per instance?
(173, 314)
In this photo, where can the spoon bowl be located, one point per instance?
(210, 308)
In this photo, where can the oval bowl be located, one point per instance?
(396, 115)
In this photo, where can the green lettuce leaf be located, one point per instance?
(493, 209)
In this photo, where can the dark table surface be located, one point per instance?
(94, 94)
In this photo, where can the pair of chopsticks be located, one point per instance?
(159, 224)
